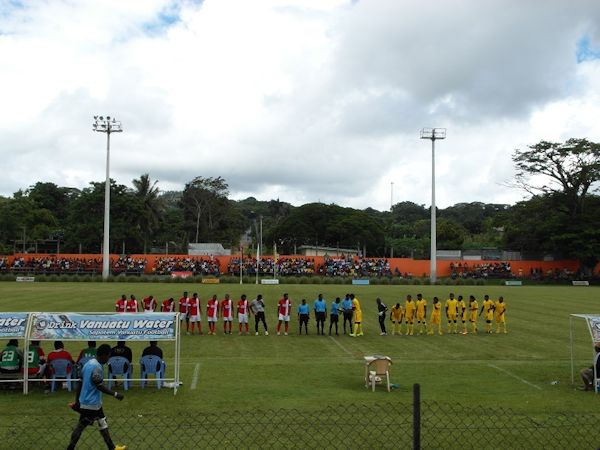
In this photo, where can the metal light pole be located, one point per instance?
(108, 126)
(433, 134)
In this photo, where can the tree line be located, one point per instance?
(559, 216)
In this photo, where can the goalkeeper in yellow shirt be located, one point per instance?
(409, 314)
(473, 307)
(451, 313)
(500, 310)
(436, 316)
(487, 309)
(421, 313)
(358, 331)
(396, 316)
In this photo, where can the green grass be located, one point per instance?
(249, 373)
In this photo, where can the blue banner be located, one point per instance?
(13, 324)
(98, 327)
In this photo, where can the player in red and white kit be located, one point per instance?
(168, 305)
(242, 312)
(195, 312)
(183, 310)
(121, 304)
(227, 314)
(149, 304)
(284, 307)
(132, 304)
(212, 313)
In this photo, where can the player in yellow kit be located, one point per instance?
(462, 309)
(396, 317)
(500, 310)
(473, 307)
(421, 313)
(358, 331)
(436, 316)
(409, 314)
(488, 309)
(451, 313)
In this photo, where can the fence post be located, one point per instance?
(416, 416)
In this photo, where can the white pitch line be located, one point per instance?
(341, 346)
(510, 374)
(195, 376)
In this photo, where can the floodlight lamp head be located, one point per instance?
(101, 117)
(426, 133)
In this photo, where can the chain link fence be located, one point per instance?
(427, 425)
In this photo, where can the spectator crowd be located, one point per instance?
(196, 265)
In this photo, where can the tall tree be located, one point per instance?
(567, 169)
(148, 195)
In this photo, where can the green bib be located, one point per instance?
(10, 358)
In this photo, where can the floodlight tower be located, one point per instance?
(106, 125)
(433, 134)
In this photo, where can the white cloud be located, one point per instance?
(301, 100)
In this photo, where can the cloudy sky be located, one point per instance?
(302, 100)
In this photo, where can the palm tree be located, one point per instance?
(151, 205)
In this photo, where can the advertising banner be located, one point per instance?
(97, 327)
(594, 323)
(13, 325)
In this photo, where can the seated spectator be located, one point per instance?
(122, 350)
(12, 358)
(587, 374)
(36, 360)
(89, 352)
(153, 349)
(59, 352)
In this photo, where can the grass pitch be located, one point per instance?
(248, 373)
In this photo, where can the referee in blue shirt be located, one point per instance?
(320, 307)
(303, 315)
(347, 311)
(334, 315)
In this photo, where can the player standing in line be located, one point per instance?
(436, 316)
(88, 399)
(381, 314)
(258, 309)
(168, 305)
(347, 311)
(409, 314)
(284, 308)
(132, 304)
(334, 315)
(149, 304)
(303, 315)
(488, 308)
(242, 312)
(212, 313)
(121, 304)
(500, 310)
(421, 313)
(183, 310)
(227, 314)
(473, 307)
(451, 313)
(462, 307)
(396, 317)
(357, 313)
(195, 312)
(320, 307)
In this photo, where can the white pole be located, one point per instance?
(105, 247)
(257, 260)
(433, 257)
(26, 352)
(392, 196)
(177, 352)
(571, 345)
(241, 264)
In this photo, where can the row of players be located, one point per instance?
(12, 359)
(413, 311)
